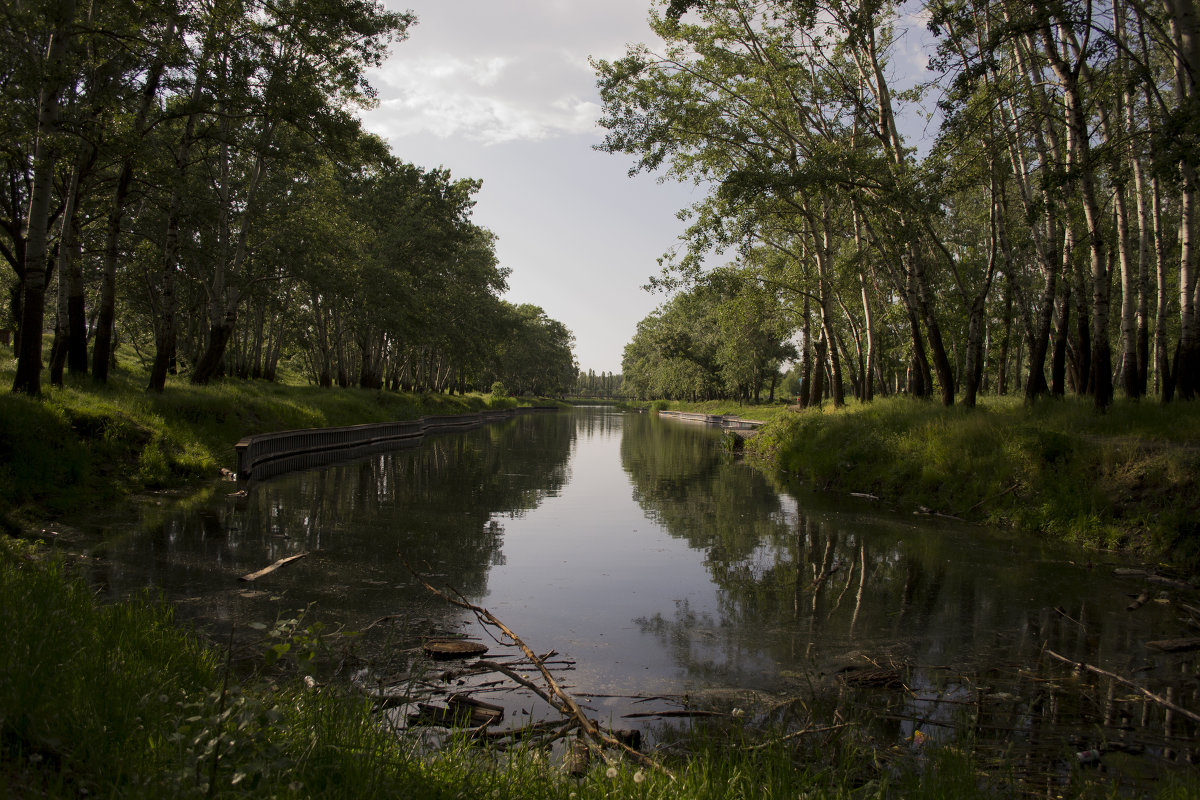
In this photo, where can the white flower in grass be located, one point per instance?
(611, 772)
(638, 776)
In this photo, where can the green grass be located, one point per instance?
(1124, 479)
(82, 445)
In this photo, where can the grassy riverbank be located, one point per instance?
(1127, 479)
(82, 447)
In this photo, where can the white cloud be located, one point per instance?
(488, 100)
(490, 73)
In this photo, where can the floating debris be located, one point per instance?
(446, 649)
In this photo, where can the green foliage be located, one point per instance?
(727, 337)
(786, 114)
(290, 639)
(499, 390)
(88, 687)
(534, 354)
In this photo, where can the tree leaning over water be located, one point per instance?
(191, 176)
(1065, 158)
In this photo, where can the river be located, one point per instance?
(653, 564)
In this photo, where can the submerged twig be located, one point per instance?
(989, 499)
(269, 569)
(796, 735)
(1162, 701)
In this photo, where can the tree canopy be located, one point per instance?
(189, 179)
(1063, 170)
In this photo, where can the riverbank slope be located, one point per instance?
(83, 447)
(1125, 479)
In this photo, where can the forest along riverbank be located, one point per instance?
(1123, 480)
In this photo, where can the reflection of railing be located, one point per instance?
(268, 454)
(723, 421)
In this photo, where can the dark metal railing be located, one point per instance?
(266, 454)
(723, 421)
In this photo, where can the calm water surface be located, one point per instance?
(630, 546)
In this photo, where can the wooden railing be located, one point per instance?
(267, 454)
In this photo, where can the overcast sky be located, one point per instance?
(501, 90)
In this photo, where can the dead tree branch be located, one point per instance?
(1162, 701)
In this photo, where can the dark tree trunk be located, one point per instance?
(806, 369)
(210, 363)
(1062, 332)
(817, 388)
(102, 350)
(1005, 338)
(28, 379)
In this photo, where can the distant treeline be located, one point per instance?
(1046, 239)
(605, 385)
(189, 179)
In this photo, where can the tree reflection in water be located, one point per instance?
(440, 504)
(907, 623)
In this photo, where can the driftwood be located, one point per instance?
(1153, 577)
(882, 677)
(555, 695)
(1162, 701)
(283, 562)
(478, 710)
(459, 710)
(675, 713)
(531, 729)
(445, 649)
(1175, 645)
(577, 759)
(1138, 602)
(1165, 581)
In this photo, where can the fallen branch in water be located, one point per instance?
(562, 702)
(797, 735)
(283, 562)
(1162, 701)
(1175, 645)
(686, 712)
(517, 677)
(990, 499)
